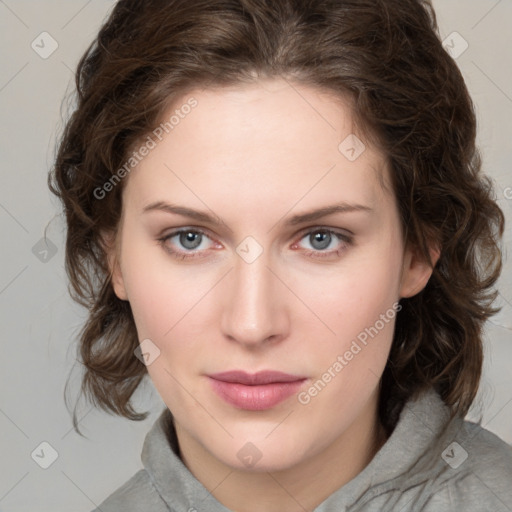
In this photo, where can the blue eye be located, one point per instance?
(189, 239)
(322, 238)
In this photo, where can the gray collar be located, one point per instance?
(408, 450)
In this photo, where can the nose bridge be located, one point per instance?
(253, 310)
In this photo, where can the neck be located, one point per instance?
(295, 489)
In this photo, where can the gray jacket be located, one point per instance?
(428, 464)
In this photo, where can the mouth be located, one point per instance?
(255, 392)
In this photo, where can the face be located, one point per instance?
(255, 241)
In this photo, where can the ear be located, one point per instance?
(416, 270)
(110, 245)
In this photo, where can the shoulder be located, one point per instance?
(492, 452)
(136, 494)
(478, 473)
(488, 456)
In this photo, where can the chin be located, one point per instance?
(255, 453)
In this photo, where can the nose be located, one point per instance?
(254, 312)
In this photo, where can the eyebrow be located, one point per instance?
(186, 212)
(214, 220)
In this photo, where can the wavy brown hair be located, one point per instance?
(409, 98)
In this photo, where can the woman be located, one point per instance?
(276, 211)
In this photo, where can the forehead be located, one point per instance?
(274, 140)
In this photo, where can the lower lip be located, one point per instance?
(255, 398)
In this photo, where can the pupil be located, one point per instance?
(324, 239)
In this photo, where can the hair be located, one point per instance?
(408, 95)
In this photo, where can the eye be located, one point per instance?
(190, 243)
(321, 239)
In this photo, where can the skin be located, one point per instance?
(254, 156)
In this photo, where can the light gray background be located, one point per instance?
(39, 322)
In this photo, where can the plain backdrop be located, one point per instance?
(39, 321)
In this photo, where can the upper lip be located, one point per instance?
(262, 377)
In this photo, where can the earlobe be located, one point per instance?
(417, 271)
(110, 246)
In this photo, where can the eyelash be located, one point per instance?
(318, 254)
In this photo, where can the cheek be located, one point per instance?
(359, 304)
(160, 291)
(172, 307)
(150, 304)
(356, 296)
(167, 309)
(146, 286)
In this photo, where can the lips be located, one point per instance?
(255, 392)
(263, 377)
